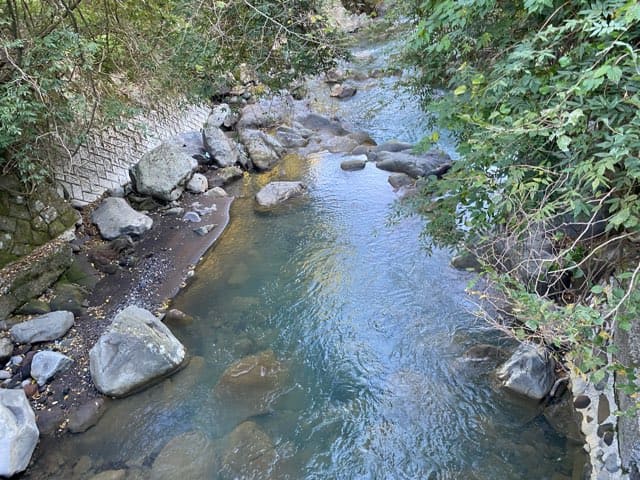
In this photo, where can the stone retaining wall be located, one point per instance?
(104, 161)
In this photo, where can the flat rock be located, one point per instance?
(275, 193)
(46, 364)
(393, 146)
(248, 454)
(87, 415)
(399, 180)
(220, 147)
(18, 432)
(115, 217)
(356, 162)
(44, 328)
(430, 163)
(162, 172)
(187, 456)
(530, 371)
(135, 350)
(34, 307)
(250, 384)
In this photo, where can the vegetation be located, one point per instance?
(67, 66)
(543, 97)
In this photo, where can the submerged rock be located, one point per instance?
(483, 353)
(46, 364)
(162, 172)
(44, 328)
(115, 217)
(530, 371)
(18, 432)
(275, 193)
(87, 415)
(252, 382)
(249, 454)
(187, 456)
(135, 350)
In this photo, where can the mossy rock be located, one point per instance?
(69, 297)
(56, 228)
(6, 258)
(34, 307)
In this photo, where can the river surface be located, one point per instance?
(371, 328)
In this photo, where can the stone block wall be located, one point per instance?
(104, 161)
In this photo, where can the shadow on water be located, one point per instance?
(371, 330)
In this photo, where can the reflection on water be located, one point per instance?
(370, 330)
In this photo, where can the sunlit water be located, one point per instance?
(372, 330)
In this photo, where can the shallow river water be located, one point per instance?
(371, 328)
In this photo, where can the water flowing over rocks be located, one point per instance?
(135, 350)
(115, 217)
(276, 193)
(18, 432)
(43, 328)
(252, 383)
(46, 364)
(187, 456)
(431, 163)
(248, 454)
(529, 371)
(162, 172)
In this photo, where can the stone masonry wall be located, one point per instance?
(104, 161)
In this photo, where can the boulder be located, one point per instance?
(70, 298)
(399, 180)
(290, 138)
(265, 114)
(187, 456)
(34, 307)
(355, 162)
(393, 146)
(87, 415)
(220, 116)
(530, 371)
(318, 123)
(431, 163)
(6, 349)
(162, 172)
(263, 149)
(198, 183)
(43, 328)
(275, 193)
(191, 144)
(251, 383)
(248, 454)
(135, 350)
(227, 175)
(220, 147)
(18, 432)
(342, 91)
(46, 364)
(114, 218)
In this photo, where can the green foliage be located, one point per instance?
(543, 97)
(68, 67)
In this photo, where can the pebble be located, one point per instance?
(16, 360)
(177, 211)
(205, 229)
(582, 401)
(216, 192)
(30, 390)
(192, 217)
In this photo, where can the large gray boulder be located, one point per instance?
(185, 456)
(430, 163)
(43, 328)
(114, 218)
(263, 149)
(530, 371)
(135, 350)
(162, 172)
(221, 115)
(18, 432)
(266, 113)
(46, 364)
(220, 147)
(275, 193)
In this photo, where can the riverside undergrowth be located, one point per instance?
(543, 97)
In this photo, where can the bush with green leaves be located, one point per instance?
(67, 68)
(543, 97)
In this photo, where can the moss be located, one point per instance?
(23, 233)
(68, 216)
(56, 228)
(40, 238)
(6, 258)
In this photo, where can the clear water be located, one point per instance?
(372, 331)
